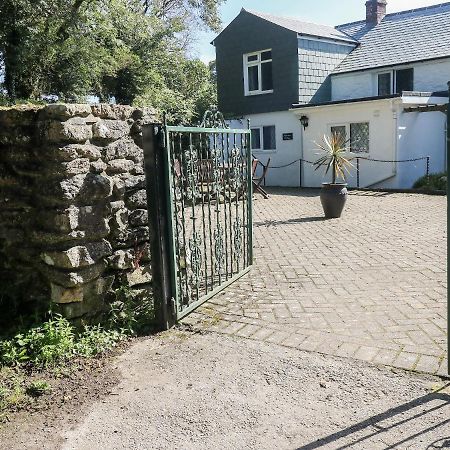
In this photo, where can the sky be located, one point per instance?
(327, 12)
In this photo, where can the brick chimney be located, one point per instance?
(375, 11)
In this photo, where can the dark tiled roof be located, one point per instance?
(304, 28)
(400, 38)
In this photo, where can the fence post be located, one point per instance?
(448, 236)
(300, 173)
(155, 174)
(357, 172)
(428, 167)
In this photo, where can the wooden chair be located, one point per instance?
(206, 171)
(257, 181)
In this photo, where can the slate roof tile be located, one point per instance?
(400, 38)
(304, 28)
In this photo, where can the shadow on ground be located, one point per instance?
(274, 223)
(376, 425)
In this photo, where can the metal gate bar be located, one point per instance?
(208, 208)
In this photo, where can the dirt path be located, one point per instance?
(182, 390)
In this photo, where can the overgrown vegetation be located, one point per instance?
(33, 350)
(132, 51)
(432, 182)
(43, 349)
(131, 311)
(56, 341)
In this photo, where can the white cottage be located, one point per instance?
(382, 82)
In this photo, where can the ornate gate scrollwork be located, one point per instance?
(210, 208)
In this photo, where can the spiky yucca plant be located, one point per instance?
(334, 148)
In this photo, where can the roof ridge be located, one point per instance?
(422, 8)
(406, 11)
(252, 11)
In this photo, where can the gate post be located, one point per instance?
(156, 183)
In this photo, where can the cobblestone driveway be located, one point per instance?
(371, 285)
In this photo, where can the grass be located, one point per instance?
(432, 182)
(12, 391)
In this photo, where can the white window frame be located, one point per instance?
(261, 149)
(257, 63)
(392, 73)
(347, 134)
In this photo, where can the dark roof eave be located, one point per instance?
(442, 94)
(349, 41)
(340, 102)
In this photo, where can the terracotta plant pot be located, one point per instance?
(333, 198)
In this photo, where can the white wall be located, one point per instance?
(419, 134)
(428, 77)
(286, 151)
(432, 77)
(381, 116)
(394, 135)
(352, 85)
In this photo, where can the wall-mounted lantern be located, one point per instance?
(304, 120)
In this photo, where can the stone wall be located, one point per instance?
(73, 221)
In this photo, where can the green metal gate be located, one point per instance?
(208, 211)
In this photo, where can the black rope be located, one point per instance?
(356, 157)
(394, 161)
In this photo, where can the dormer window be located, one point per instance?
(258, 73)
(395, 81)
(404, 80)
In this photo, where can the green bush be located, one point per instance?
(54, 341)
(432, 182)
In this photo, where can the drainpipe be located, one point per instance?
(395, 113)
(448, 238)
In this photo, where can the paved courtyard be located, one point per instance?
(370, 286)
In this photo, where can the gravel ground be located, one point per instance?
(186, 390)
(183, 390)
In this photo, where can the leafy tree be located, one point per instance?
(199, 12)
(130, 50)
(184, 88)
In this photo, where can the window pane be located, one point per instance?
(256, 138)
(269, 139)
(359, 137)
(340, 131)
(384, 84)
(252, 58)
(253, 78)
(266, 75)
(266, 55)
(404, 80)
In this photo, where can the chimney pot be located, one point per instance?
(375, 11)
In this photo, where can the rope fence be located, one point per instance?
(358, 166)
